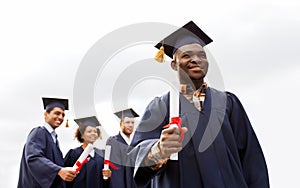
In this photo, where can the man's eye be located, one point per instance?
(202, 55)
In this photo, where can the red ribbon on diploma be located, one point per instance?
(177, 121)
(79, 164)
(110, 164)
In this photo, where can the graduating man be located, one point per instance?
(42, 161)
(214, 143)
(122, 178)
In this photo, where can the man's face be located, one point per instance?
(127, 125)
(55, 117)
(192, 62)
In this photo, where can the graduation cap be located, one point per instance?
(55, 102)
(188, 34)
(126, 113)
(88, 121)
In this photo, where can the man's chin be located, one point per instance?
(197, 77)
(128, 133)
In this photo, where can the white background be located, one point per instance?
(256, 44)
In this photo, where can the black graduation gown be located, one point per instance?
(90, 175)
(41, 161)
(220, 147)
(119, 177)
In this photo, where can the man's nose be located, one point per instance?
(130, 125)
(196, 59)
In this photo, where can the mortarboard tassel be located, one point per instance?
(67, 124)
(160, 55)
(100, 136)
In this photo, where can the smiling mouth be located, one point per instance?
(58, 121)
(195, 68)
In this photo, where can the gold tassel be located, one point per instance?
(160, 55)
(67, 124)
(100, 136)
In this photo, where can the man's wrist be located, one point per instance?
(155, 156)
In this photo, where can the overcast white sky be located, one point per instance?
(256, 45)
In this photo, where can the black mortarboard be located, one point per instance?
(187, 34)
(54, 102)
(126, 113)
(88, 121)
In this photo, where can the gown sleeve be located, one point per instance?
(43, 170)
(249, 149)
(147, 134)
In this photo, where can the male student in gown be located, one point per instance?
(215, 143)
(122, 178)
(42, 164)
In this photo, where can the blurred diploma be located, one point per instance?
(106, 159)
(83, 158)
(174, 112)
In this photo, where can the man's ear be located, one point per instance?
(173, 65)
(45, 115)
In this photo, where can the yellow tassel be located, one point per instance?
(100, 136)
(160, 55)
(67, 123)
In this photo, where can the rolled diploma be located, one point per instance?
(106, 157)
(84, 155)
(174, 112)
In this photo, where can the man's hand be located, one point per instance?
(169, 141)
(67, 173)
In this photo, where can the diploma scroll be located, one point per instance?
(174, 112)
(83, 157)
(106, 158)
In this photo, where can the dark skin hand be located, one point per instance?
(169, 141)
